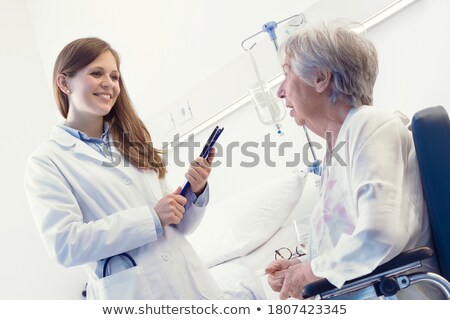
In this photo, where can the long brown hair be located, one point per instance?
(129, 133)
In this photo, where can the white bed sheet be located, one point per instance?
(258, 260)
(238, 282)
(242, 276)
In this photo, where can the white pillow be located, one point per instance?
(234, 227)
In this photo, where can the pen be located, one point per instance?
(205, 152)
(216, 136)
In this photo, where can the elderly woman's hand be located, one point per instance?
(199, 171)
(276, 271)
(295, 278)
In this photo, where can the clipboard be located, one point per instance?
(205, 152)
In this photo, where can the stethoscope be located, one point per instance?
(107, 270)
(124, 256)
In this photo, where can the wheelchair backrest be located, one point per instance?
(431, 133)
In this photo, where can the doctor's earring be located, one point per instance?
(67, 91)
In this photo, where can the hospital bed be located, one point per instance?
(238, 236)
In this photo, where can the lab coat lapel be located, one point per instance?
(153, 181)
(83, 148)
(65, 139)
(150, 176)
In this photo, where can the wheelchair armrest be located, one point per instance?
(317, 287)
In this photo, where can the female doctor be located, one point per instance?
(97, 191)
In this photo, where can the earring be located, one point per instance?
(68, 91)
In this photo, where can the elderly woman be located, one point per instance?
(371, 208)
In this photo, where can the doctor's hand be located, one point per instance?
(199, 171)
(170, 208)
(296, 277)
(277, 272)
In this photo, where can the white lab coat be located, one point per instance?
(372, 208)
(86, 212)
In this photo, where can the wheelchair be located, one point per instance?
(431, 133)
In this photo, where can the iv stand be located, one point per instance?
(270, 27)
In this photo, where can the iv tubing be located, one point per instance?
(309, 143)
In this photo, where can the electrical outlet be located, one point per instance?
(181, 114)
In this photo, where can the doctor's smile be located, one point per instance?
(104, 96)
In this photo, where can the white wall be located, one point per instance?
(413, 48)
(414, 68)
(167, 47)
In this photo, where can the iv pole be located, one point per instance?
(270, 27)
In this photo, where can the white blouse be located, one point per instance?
(371, 207)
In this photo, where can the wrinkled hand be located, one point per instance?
(199, 171)
(295, 278)
(170, 208)
(277, 271)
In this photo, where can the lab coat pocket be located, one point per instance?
(129, 284)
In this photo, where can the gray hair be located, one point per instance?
(335, 47)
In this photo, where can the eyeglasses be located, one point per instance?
(286, 253)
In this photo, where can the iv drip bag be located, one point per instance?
(266, 104)
(268, 109)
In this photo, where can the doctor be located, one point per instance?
(97, 191)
